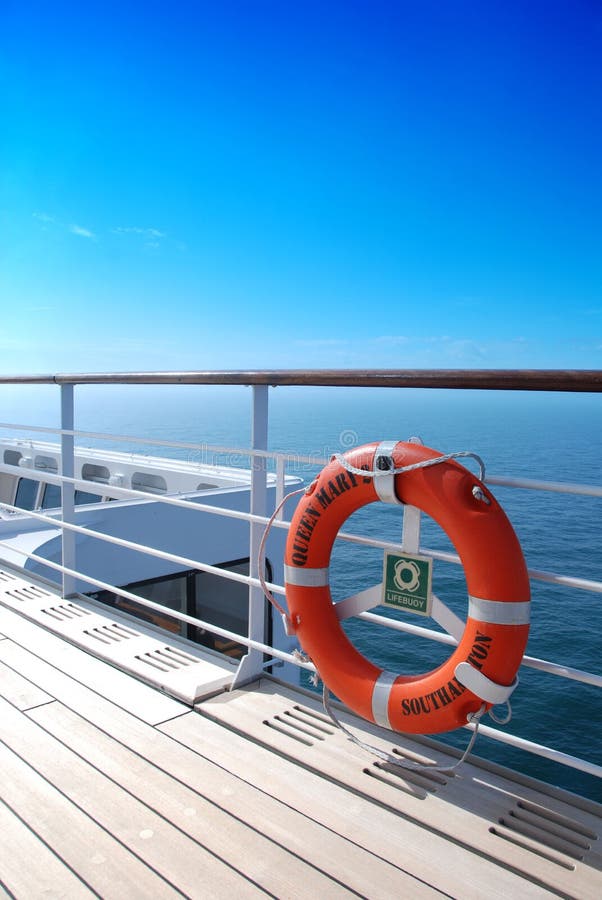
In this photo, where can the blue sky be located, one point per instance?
(239, 184)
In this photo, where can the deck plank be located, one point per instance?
(168, 851)
(270, 698)
(20, 691)
(72, 837)
(428, 856)
(342, 859)
(239, 843)
(28, 868)
(467, 808)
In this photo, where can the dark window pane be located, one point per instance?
(26, 493)
(12, 457)
(85, 497)
(225, 603)
(215, 600)
(152, 484)
(91, 472)
(170, 591)
(52, 496)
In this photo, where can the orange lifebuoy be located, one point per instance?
(495, 635)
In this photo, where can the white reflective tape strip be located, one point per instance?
(384, 485)
(380, 698)
(498, 612)
(482, 686)
(306, 577)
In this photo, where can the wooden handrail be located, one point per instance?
(569, 380)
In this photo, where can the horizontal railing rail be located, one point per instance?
(393, 624)
(444, 556)
(585, 490)
(588, 380)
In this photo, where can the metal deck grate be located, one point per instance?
(179, 668)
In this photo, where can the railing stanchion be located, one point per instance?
(251, 665)
(67, 488)
(280, 484)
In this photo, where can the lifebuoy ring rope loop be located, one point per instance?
(474, 719)
(501, 720)
(424, 464)
(260, 559)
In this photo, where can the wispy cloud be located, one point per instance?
(143, 232)
(424, 351)
(321, 342)
(464, 349)
(150, 237)
(82, 232)
(72, 228)
(43, 217)
(392, 339)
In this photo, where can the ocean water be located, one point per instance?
(542, 436)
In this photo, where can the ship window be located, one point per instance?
(205, 486)
(169, 592)
(172, 591)
(90, 472)
(209, 597)
(52, 496)
(145, 481)
(12, 457)
(225, 603)
(86, 497)
(27, 490)
(48, 463)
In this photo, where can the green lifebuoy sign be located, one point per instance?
(407, 582)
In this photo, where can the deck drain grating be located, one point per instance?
(16, 594)
(283, 727)
(35, 591)
(65, 612)
(6, 576)
(548, 834)
(404, 779)
(111, 634)
(302, 724)
(300, 717)
(26, 593)
(168, 659)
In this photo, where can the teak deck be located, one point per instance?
(111, 788)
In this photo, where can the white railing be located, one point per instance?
(253, 664)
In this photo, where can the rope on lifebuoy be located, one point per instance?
(473, 719)
(261, 555)
(423, 464)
